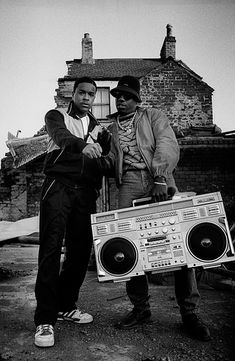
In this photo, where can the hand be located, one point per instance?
(92, 150)
(159, 192)
(171, 191)
(159, 195)
(104, 139)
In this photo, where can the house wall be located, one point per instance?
(186, 100)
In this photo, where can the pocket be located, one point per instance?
(147, 181)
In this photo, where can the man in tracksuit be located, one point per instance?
(146, 153)
(74, 170)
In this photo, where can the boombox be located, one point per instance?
(159, 237)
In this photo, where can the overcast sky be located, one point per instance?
(37, 37)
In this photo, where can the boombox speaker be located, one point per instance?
(158, 237)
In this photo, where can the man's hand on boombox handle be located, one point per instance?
(161, 192)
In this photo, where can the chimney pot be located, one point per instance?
(168, 30)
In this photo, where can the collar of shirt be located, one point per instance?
(85, 123)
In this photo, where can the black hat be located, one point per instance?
(128, 84)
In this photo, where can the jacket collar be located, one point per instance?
(72, 111)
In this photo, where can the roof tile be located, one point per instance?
(112, 68)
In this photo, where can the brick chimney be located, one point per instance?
(168, 47)
(87, 50)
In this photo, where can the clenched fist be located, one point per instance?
(104, 139)
(92, 150)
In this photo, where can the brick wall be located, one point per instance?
(20, 190)
(13, 193)
(185, 99)
(208, 169)
(64, 94)
(34, 180)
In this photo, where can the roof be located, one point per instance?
(114, 69)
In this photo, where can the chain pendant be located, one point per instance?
(130, 125)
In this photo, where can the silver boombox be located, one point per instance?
(160, 237)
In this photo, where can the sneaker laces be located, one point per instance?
(44, 330)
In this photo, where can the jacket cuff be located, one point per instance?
(160, 178)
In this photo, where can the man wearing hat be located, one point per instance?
(146, 153)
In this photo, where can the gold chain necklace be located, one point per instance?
(127, 129)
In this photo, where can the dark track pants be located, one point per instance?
(64, 215)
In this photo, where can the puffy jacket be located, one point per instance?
(156, 142)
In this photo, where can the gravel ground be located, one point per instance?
(162, 340)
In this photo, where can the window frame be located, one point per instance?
(99, 105)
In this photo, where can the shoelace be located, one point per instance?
(46, 329)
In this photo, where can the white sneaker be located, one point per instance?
(44, 336)
(75, 316)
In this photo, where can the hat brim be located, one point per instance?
(124, 89)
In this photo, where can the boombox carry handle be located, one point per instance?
(142, 201)
(148, 200)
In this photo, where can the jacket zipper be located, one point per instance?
(58, 156)
(142, 154)
(48, 189)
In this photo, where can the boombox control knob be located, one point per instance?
(171, 221)
(165, 230)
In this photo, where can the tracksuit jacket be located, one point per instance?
(65, 160)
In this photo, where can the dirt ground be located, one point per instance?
(162, 340)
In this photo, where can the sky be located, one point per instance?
(37, 37)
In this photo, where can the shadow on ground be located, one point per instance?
(162, 340)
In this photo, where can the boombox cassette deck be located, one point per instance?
(161, 237)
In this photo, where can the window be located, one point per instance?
(101, 105)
